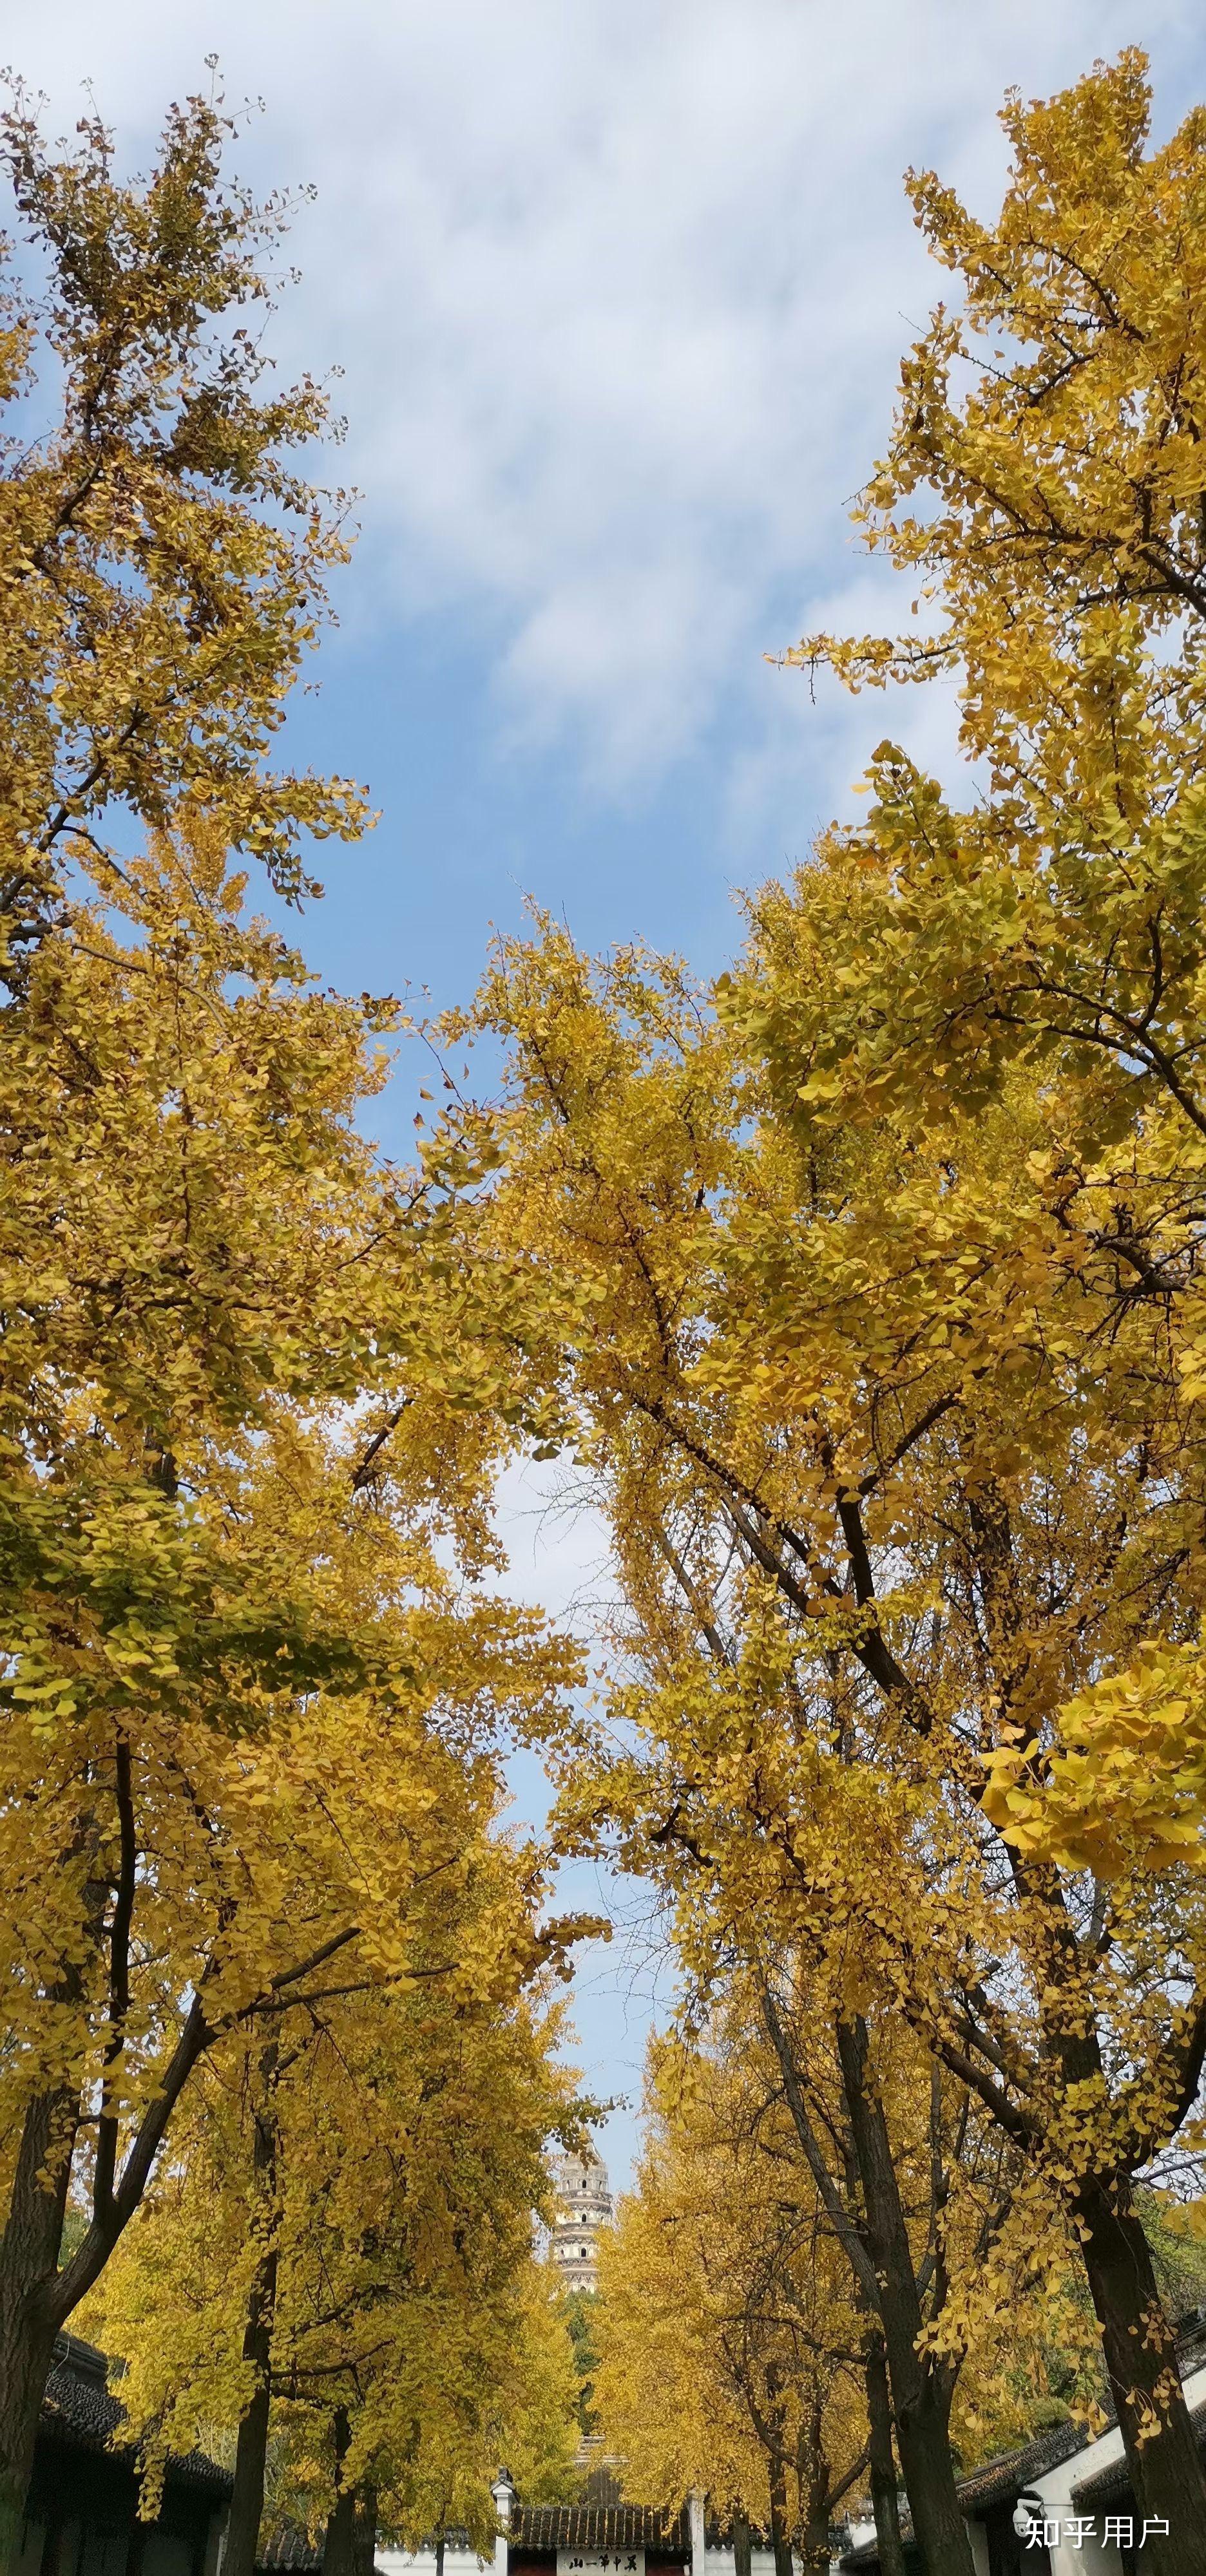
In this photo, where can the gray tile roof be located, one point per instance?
(77, 2405)
(601, 2527)
(79, 2408)
(286, 2545)
(999, 2480)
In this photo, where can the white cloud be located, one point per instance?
(619, 290)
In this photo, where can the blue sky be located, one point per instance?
(617, 288)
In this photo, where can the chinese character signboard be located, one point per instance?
(600, 2562)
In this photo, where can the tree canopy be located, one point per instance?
(258, 1684)
(890, 1249)
(864, 1286)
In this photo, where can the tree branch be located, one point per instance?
(838, 2216)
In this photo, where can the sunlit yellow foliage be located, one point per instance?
(892, 1248)
(255, 1690)
(728, 2338)
(407, 2135)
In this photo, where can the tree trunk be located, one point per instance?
(743, 2549)
(884, 2501)
(26, 2349)
(339, 2546)
(920, 2400)
(780, 2535)
(338, 2549)
(1166, 2470)
(364, 2536)
(29, 2257)
(247, 2499)
(815, 2553)
(812, 2470)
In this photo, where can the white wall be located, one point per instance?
(721, 2562)
(421, 2562)
(462, 2562)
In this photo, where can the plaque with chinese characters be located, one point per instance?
(600, 2562)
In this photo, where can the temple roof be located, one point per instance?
(600, 2526)
(79, 2408)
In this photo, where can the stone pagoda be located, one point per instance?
(584, 2208)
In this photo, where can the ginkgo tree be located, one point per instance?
(937, 2220)
(164, 564)
(248, 1416)
(1053, 423)
(770, 1385)
(741, 2352)
(191, 1558)
(337, 2263)
(729, 2344)
(922, 2195)
(893, 1254)
(228, 1839)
